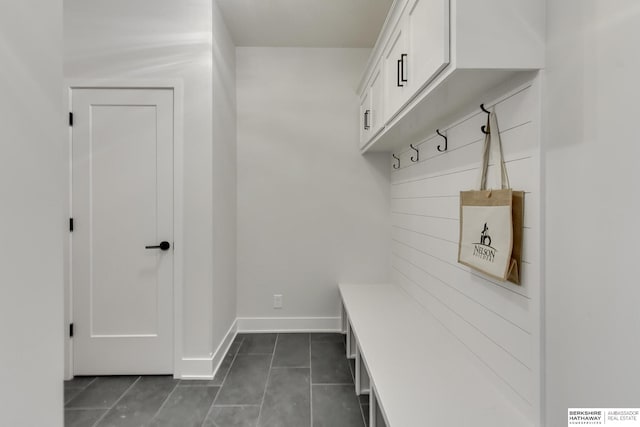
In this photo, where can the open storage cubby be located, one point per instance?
(376, 417)
(351, 342)
(363, 382)
(343, 320)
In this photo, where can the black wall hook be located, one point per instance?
(398, 159)
(417, 156)
(484, 128)
(446, 142)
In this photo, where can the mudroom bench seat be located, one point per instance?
(417, 374)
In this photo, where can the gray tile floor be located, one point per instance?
(266, 380)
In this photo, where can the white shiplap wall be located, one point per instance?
(498, 321)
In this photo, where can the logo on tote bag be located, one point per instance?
(483, 248)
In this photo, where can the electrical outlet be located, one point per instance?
(277, 301)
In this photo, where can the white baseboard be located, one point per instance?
(289, 324)
(205, 368)
(197, 368)
(223, 348)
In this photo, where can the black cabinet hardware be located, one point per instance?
(402, 68)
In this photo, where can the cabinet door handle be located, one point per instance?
(398, 73)
(366, 120)
(402, 65)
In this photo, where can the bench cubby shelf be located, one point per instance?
(415, 371)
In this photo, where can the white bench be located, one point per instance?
(416, 372)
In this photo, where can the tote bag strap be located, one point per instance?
(493, 137)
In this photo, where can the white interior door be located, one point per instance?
(122, 191)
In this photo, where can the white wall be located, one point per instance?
(224, 181)
(592, 202)
(151, 39)
(312, 211)
(498, 321)
(32, 187)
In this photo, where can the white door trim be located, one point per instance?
(177, 86)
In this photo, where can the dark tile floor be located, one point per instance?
(266, 380)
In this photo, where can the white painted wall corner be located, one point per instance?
(205, 368)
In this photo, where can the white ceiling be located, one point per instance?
(305, 23)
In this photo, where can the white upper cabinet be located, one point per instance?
(365, 118)
(417, 51)
(376, 92)
(396, 90)
(371, 107)
(427, 28)
(434, 58)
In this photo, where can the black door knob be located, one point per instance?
(163, 246)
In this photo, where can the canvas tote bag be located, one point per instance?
(491, 220)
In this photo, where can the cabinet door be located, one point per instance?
(376, 93)
(365, 118)
(427, 27)
(396, 75)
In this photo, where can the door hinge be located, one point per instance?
(70, 119)
(70, 224)
(71, 330)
